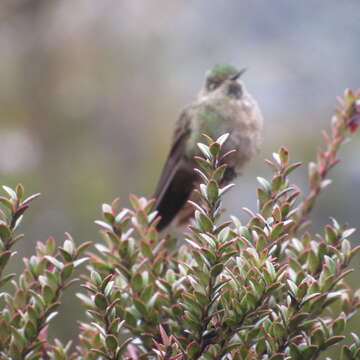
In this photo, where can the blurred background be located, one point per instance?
(90, 91)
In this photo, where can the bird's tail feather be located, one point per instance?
(174, 197)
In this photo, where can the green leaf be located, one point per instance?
(212, 191)
(108, 288)
(330, 262)
(33, 314)
(19, 339)
(261, 346)
(140, 306)
(314, 175)
(285, 208)
(69, 246)
(217, 269)
(346, 248)
(19, 191)
(146, 249)
(100, 301)
(95, 278)
(218, 174)
(222, 139)
(297, 319)
(30, 330)
(317, 337)
(276, 157)
(225, 189)
(48, 294)
(205, 150)
(135, 202)
(104, 225)
(224, 234)
(204, 164)
(338, 325)
(277, 230)
(295, 352)
(6, 202)
(11, 192)
(65, 255)
(51, 316)
(67, 271)
(267, 208)
(204, 222)
(333, 340)
(20, 298)
(4, 258)
(54, 261)
(265, 184)
(277, 182)
(83, 246)
(192, 349)
(284, 156)
(5, 279)
(119, 218)
(209, 256)
(263, 196)
(309, 351)
(5, 232)
(31, 198)
(137, 282)
(107, 213)
(354, 251)
(214, 149)
(78, 262)
(111, 342)
(201, 298)
(312, 260)
(151, 303)
(291, 168)
(209, 239)
(347, 233)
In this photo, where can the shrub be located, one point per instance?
(261, 290)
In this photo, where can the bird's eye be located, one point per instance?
(213, 85)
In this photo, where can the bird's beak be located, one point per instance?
(238, 74)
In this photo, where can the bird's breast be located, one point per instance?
(241, 118)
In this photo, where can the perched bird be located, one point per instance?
(222, 106)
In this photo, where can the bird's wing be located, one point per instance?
(181, 135)
(176, 180)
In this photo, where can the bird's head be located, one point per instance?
(223, 78)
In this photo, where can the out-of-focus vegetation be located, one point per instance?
(90, 90)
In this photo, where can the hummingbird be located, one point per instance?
(223, 105)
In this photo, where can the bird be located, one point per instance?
(223, 105)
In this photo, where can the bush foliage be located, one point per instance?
(261, 290)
